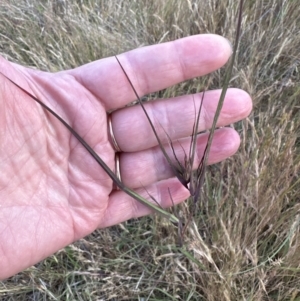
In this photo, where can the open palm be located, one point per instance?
(52, 192)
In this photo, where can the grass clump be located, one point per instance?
(243, 243)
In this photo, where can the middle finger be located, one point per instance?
(176, 118)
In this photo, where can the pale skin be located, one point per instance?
(52, 192)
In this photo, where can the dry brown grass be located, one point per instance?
(244, 243)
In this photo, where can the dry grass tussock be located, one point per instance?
(244, 241)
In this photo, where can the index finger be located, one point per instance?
(152, 68)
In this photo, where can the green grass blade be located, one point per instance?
(109, 172)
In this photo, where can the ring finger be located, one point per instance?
(143, 168)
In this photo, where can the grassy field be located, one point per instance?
(244, 241)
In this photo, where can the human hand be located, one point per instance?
(52, 192)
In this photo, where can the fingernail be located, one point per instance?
(230, 44)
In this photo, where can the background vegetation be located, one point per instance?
(244, 242)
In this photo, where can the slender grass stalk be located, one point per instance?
(225, 84)
(197, 179)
